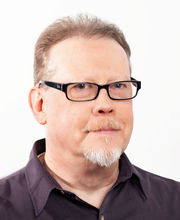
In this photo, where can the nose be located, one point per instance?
(103, 104)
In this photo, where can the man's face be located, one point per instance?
(91, 129)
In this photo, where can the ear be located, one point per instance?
(36, 103)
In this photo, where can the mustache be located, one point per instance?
(102, 124)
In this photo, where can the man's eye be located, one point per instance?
(118, 85)
(81, 86)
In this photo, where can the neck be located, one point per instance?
(82, 174)
(82, 177)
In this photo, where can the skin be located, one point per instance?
(77, 59)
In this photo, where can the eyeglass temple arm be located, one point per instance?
(138, 82)
(132, 78)
(52, 84)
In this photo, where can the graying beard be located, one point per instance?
(102, 157)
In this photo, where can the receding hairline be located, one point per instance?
(83, 26)
(51, 69)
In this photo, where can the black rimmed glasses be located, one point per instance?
(87, 91)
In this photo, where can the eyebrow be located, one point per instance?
(107, 82)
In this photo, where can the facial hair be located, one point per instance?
(106, 155)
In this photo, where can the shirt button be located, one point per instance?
(62, 192)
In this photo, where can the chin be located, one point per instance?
(103, 156)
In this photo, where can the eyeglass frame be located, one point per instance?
(63, 87)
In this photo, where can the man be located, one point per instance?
(83, 94)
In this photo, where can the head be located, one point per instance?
(68, 27)
(83, 49)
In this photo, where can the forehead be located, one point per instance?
(82, 59)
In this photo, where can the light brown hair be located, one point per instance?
(82, 25)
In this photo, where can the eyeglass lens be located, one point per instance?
(87, 91)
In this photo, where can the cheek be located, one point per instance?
(126, 117)
(68, 118)
(73, 117)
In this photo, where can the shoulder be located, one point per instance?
(10, 183)
(154, 177)
(14, 195)
(157, 185)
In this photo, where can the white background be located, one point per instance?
(152, 29)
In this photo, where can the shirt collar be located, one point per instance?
(129, 171)
(143, 180)
(40, 183)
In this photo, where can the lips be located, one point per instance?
(104, 131)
